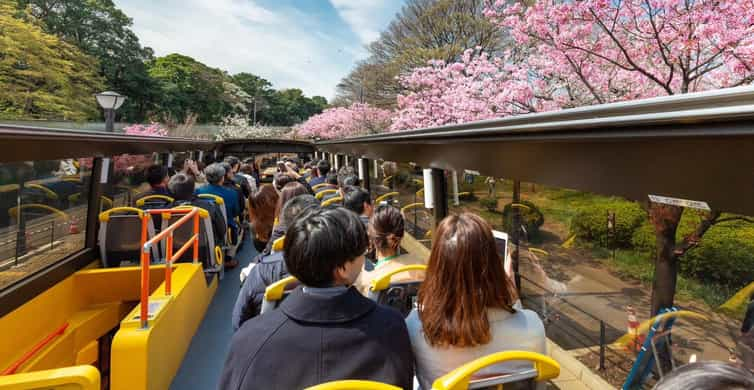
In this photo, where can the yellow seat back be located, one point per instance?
(218, 200)
(383, 282)
(353, 385)
(322, 193)
(318, 186)
(460, 378)
(274, 292)
(68, 378)
(384, 197)
(332, 201)
(105, 215)
(277, 245)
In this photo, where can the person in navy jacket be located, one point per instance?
(325, 330)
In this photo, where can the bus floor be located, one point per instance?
(203, 363)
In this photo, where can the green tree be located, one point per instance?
(188, 86)
(102, 30)
(41, 76)
(290, 106)
(259, 91)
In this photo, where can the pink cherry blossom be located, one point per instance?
(340, 122)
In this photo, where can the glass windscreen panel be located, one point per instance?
(43, 210)
(127, 180)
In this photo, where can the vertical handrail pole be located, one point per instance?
(196, 238)
(144, 272)
(169, 265)
(440, 195)
(602, 345)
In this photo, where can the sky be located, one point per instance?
(306, 44)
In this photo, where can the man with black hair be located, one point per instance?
(323, 168)
(237, 178)
(182, 187)
(215, 174)
(269, 267)
(230, 184)
(358, 200)
(157, 177)
(326, 329)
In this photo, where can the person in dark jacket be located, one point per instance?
(239, 179)
(182, 187)
(157, 177)
(323, 168)
(270, 267)
(325, 330)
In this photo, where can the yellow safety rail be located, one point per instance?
(459, 379)
(140, 202)
(386, 196)
(318, 186)
(13, 211)
(353, 385)
(322, 193)
(50, 194)
(68, 378)
(383, 282)
(105, 215)
(332, 201)
(277, 245)
(411, 206)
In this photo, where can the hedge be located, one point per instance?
(532, 218)
(590, 223)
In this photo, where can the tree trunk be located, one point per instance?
(665, 219)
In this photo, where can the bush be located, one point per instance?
(489, 203)
(590, 223)
(644, 237)
(467, 197)
(725, 255)
(532, 218)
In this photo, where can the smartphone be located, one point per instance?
(282, 167)
(501, 239)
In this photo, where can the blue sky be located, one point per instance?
(307, 44)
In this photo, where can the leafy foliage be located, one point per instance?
(590, 223)
(489, 203)
(41, 76)
(239, 127)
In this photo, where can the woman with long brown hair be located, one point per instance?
(466, 304)
(262, 207)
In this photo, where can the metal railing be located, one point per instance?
(166, 234)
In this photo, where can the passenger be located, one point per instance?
(290, 191)
(262, 206)
(239, 179)
(157, 177)
(711, 375)
(247, 171)
(289, 175)
(332, 182)
(324, 330)
(466, 305)
(280, 180)
(386, 229)
(215, 174)
(323, 168)
(229, 183)
(269, 268)
(182, 187)
(358, 200)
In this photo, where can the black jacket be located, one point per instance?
(312, 339)
(219, 229)
(267, 271)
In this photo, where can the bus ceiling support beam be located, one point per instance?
(363, 170)
(439, 195)
(95, 200)
(516, 233)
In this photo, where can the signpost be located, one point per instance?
(694, 204)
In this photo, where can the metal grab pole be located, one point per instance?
(196, 238)
(144, 273)
(169, 265)
(363, 169)
(516, 233)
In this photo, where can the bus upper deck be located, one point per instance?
(61, 308)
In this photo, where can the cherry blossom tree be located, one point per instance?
(339, 122)
(127, 164)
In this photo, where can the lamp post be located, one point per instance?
(110, 101)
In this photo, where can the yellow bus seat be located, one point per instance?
(277, 245)
(321, 194)
(353, 385)
(544, 368)
(385, 197)
(276, 292)
(83, 377)
(319, 186)
(119, 236)
(154, 201)
(331, 201)
(208, 249)
(399, 295)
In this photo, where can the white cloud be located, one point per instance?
(280, 45)
(367, 17)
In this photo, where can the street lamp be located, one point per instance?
(110, 101)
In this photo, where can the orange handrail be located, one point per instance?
(167, 233)
(36, 348)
